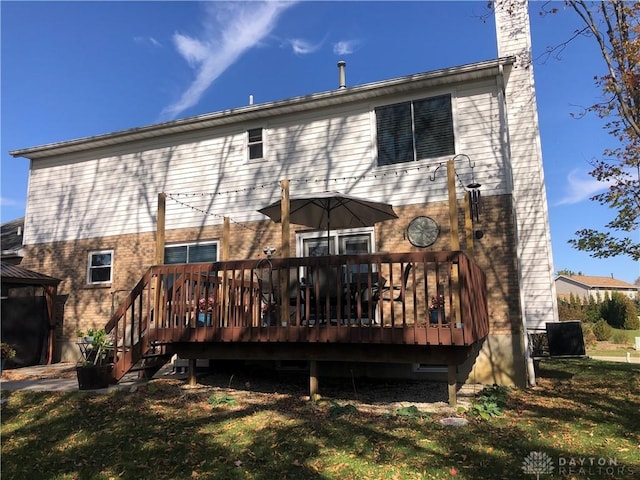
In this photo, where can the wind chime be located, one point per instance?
(475, 200)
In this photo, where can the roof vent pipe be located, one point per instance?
(341, 65)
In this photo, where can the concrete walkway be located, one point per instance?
(61, 377)
(617, 359)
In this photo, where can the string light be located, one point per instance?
(212, 214)
(356, 178)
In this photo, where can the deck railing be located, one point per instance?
(419, 298)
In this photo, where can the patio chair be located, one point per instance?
(364, 296)
(323, 292)
(401, 289)
(269, 283)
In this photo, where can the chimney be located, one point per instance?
(341, 79)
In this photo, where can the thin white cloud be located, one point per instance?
(345, 47)
(302, 47)
(147, 41)
(230, 29)
(580, 187)
(193, 50)
(7, 202)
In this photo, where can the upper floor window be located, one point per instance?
(100, 267)
(415, 130)
(255, 144)
(191, 253)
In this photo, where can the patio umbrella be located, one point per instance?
(329, 210)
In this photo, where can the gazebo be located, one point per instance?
(16, 277)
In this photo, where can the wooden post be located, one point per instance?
(452, 384)
(453, 206)
(192, 372)
(50, 295)
(285, 251)
(226, 239)
(455, 239)
(160, 228)
(313, 379)
(468, 225)
(159, 260)
(225, 254)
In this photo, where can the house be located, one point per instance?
(105, 212)
(599, 288)
(11, 241)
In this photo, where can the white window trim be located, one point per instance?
(424, 161)
(89, 268)
(196, 244)
(426, 368)
(301, 236)
(264, 145)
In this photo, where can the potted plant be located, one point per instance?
(205, 307)
(94, 368)
(436, 309)
(88, 337)
(7, 352)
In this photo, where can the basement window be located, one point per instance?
(191, 253)
(430, 368)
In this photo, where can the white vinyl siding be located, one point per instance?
(114, 191)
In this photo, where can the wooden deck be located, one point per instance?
(311, 308)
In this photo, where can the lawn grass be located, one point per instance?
(580, 409)
(610, 349)
(617, 352)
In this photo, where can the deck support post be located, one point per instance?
(313, 379)
(192, 372)
(452, 383)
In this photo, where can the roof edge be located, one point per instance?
(206, 120)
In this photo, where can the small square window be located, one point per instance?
(100, 267)
(255, 144)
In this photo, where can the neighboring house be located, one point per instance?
(11, 241)
(91, 213)
(599, 288)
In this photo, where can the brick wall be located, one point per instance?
(84, 306)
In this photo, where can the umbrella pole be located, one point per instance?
(328, 226)
(328, 235)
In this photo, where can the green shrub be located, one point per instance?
(592, 311)
(602, 330)
(337, 410)
(490, 402)
(632, 322)
(589, 337)
(411, 411)
(620, 312)
(221, 400)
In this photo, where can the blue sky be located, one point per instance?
(76, 69)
